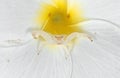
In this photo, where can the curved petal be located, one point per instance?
(108, 9)
(16, 16)
(99, 58)
(106, 29)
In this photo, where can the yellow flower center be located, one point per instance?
(58, 20)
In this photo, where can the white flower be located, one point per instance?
(50, 52)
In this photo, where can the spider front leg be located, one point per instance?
(36, 35)
(38, 48)
(88, 37)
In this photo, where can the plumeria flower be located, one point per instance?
(64, 42)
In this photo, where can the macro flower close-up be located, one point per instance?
(59, 39)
